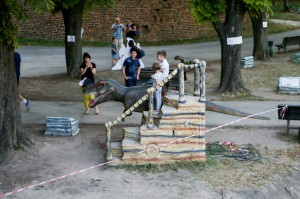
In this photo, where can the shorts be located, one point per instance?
(114, 56)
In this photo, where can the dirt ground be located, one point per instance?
(277, 175)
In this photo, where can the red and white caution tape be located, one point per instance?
(109, 162)
(55, 179)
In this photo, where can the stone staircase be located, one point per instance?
(178, 134)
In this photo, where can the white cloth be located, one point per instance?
(124, 52)
(82, 82)
(157, 77)
(165, 68)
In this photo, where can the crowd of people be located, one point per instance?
(131, 65)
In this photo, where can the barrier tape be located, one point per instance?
(283, 110)
(55, 179)
(112, 161)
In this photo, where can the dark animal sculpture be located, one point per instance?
(109, 89)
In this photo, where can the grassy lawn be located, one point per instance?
(279, 14)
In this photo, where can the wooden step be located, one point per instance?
(132, 148)
(116, 149)
(132, 132)
(156, 118)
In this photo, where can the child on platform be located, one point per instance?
(114, 51)
(164, 65)
(157, 79)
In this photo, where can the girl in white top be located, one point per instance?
(157, 79)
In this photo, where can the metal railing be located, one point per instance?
(199, 90)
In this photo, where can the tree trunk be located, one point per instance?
(260, 37)
(73, 50)
(11, 127)
(286, 6)
(231, 79)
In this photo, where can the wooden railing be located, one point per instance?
(199, 90)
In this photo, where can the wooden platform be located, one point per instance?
(178, 135)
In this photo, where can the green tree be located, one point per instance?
(12, 134)
(72, 11)
(227, 19)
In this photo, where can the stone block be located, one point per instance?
(116, 149)
(132, 132)
(61, 126)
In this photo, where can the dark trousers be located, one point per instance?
(132, 81)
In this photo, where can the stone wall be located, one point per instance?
(158, 20)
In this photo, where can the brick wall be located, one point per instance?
(157, 20)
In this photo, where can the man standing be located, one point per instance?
(119, 29)
(131, 69)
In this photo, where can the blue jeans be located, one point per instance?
(158, 100)
(132, 81)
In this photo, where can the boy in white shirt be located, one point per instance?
(157, 79)
(164, 65)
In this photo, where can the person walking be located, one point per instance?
(88, 71)
(119, 29)
(17, 59)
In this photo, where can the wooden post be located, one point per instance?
(108, 126)
(181, 83)
(202, 81)
(150, 92)
(197, 80)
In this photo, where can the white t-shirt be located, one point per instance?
(157, 77)
(165, 68)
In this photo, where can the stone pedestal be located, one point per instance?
(178, 135)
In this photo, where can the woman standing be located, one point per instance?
(88, 70)
(130, 29)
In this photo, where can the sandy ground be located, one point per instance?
(277, 175)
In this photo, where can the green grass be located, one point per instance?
(247, 31)
(279, 14)
(17, 147)
(45, 42)
(191, 166)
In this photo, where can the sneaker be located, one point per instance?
(156, 113)
(28, 105)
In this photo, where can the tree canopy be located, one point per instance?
(227, 18)
(12, 12)
(213, 10)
